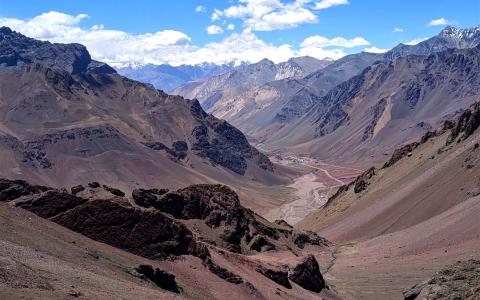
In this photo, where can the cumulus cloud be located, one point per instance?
(397, 29)
(268, 15)
(439, 22)
(231, 26)
(321, 42)
(119, 48)
(329, 3)
(214, 29)
(200, 9)
(216, 15)
(375, 50)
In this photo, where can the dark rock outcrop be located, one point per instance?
(278, 276)
(283, 223)
(361, 183)
(400, 153)
(233, 227)
(303, 238)
(114, 221)
(13, 189)
(177, 151)
(114, 191)
(77, 189)
(466, 124)
(459, 281)
(147, 198)
(227, 146)
(307, 275)
(222, 272)
(218, 207)
(161, 278)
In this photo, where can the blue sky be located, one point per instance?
(176, 31)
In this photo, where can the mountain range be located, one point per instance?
(166, 77)
(274, 112)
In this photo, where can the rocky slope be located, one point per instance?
(459, 281)
(386, 105)
(246, 91)
(58, 115)
(204, 222)
(449, 37)
(273, 113)
(419, 209)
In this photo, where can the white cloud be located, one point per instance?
(120, 48)
(375, 50)
(439, 22)
(214, 29)
(200, 9)
(231, 26)
(216, 15)
(321, 42)
(321, 53)
(415, 41)
(329, 3)
(397, 29)
(268, 15)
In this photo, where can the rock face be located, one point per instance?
(231, 226)
(459, 281)
(307, 275)
(17, 50)
(467, 123)
(228, 147)
(279, 276)
(13, 189)
(387, 105)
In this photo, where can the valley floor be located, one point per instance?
(311, 190)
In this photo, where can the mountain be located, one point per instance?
(253, 95)
(386, 105)
(449, 37)
(64, 122)
(17, 50)
(402, 222)
(225, 86)
(167, 77)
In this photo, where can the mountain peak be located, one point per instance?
(5, 30)
(265, 61)
(461, 33)
(17, 50)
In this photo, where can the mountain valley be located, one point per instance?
(354, 178)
